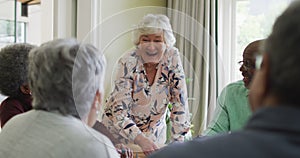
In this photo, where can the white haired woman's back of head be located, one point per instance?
(64, 76)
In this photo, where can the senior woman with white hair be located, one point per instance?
(66, 80)
(148, 79)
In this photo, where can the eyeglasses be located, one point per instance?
(247, 64)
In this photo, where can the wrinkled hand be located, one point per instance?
(147, 145)
(124, 151)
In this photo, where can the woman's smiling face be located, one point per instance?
(151, 47)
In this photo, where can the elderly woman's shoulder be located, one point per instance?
(172, 51)
(129, 56)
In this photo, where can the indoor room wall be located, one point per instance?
(118, 21)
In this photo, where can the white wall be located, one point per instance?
(34, 25)
(58, 19)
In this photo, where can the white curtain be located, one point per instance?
(227, 60)
(194, 23)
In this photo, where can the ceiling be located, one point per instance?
(30, 2)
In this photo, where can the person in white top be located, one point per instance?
(66, 79)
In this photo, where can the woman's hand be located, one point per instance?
(124, 151)
(147, 145)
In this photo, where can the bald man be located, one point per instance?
(233, 110)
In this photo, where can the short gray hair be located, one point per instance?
(13, 68)
(64, 76)
(283, 47)
(154, 23)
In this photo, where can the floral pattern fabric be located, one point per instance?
(136, 107)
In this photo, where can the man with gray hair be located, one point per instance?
(274, 129)
(66, 80)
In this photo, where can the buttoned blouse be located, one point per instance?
(136, 107)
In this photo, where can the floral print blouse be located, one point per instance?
(135, 107)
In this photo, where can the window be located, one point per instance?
(253, 20)
(7, 34)
(9, 12)
(239, 23)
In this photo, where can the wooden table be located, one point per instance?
(138, 152)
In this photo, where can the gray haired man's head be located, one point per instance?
(283, 47)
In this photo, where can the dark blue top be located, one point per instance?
(270, 133)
